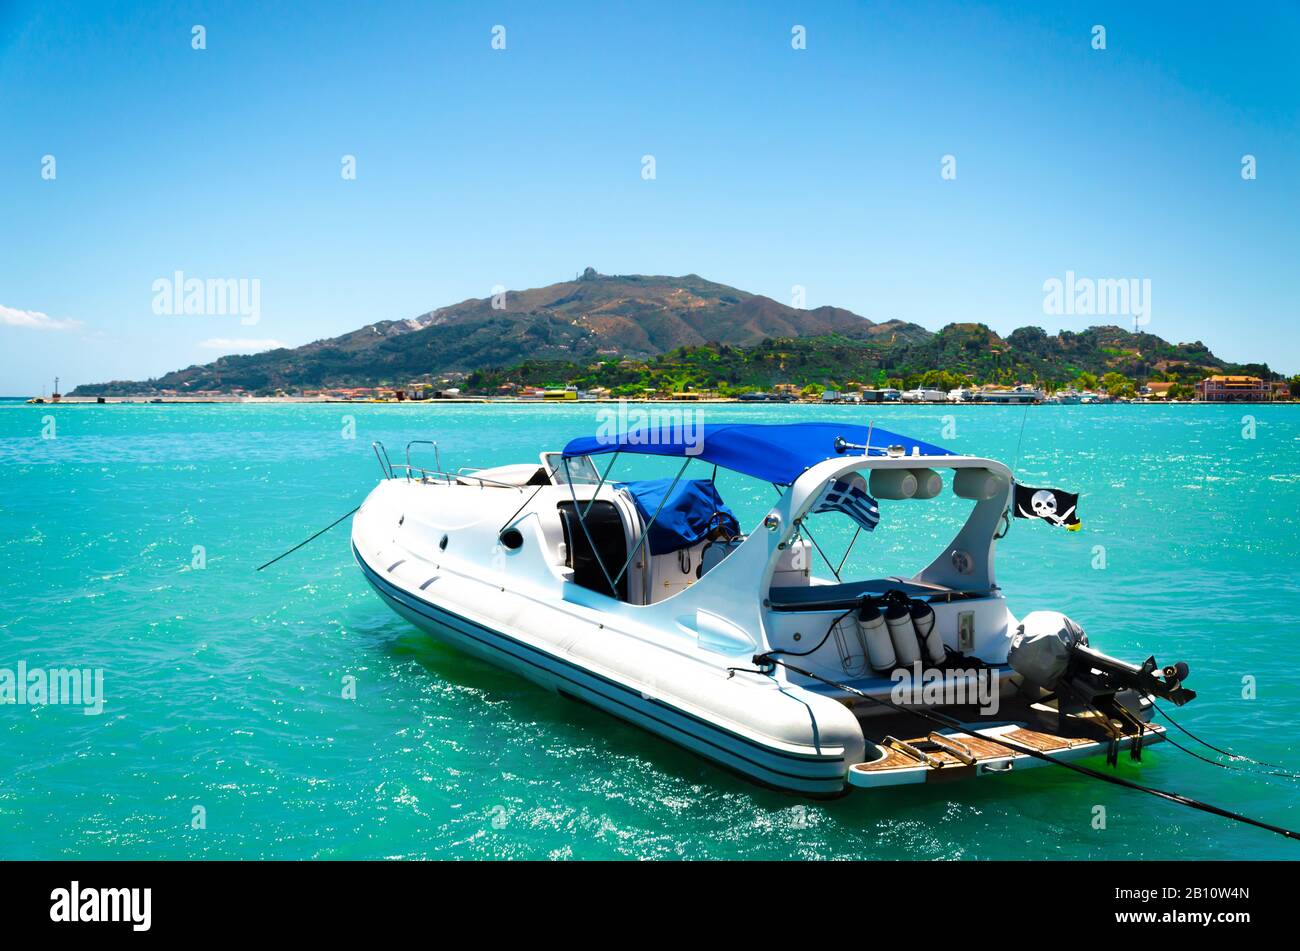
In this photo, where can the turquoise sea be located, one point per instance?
(224, 686)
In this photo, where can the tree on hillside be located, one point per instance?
(1115, 384)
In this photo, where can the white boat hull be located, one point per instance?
(776, 747)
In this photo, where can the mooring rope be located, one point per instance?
(313, 538)
(1273, 768)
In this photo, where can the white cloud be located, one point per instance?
(240, 344)
(34, 320)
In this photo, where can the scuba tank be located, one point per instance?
(875, 635)
(853, 657)
(902, 633)
(927, 632)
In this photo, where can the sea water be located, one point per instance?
(289, 714)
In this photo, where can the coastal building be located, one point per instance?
(1157, 390)
(1232, 389)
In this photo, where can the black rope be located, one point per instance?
(313, 538)
(952, 723)
(550, 474)
(1273, 768)
(1216, 749)
(825, 637)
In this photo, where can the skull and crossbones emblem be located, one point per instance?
(1043, 502)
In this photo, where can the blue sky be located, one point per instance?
(774, 167)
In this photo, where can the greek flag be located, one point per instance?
(850, 497)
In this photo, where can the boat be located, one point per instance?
(924, 395)
(648, 600)
(1021, 393)
(962, 394)
(1065, 397)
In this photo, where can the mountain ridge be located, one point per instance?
(637, 317)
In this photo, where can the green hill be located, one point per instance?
(685, 329)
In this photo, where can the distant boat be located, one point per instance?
(1068, 397)
(961, 395)
(925, 395)
(1021, 393)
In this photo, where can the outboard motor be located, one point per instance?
(1051, 652)
(1042, 647)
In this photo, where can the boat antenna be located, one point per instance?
(1023, 420)
(311, 539)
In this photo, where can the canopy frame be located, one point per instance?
(778, 453)
(645, 532)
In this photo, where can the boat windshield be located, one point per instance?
(581, 470)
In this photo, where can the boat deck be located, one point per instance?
(946, 755)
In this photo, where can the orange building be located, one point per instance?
(1228, 389)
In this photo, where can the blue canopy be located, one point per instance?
(688, 510)
(777, 453)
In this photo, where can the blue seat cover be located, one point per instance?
(691, 509)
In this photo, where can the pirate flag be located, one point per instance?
(1051, 505)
